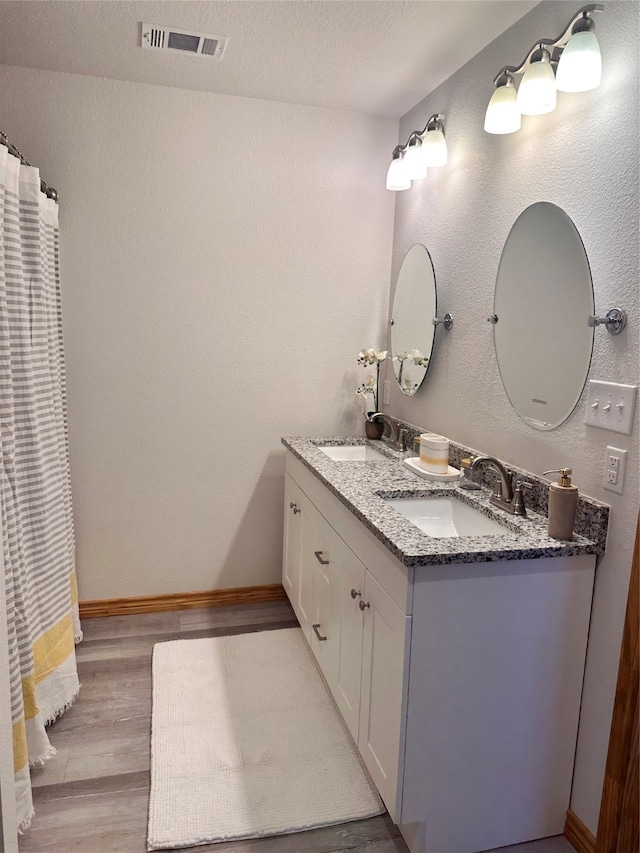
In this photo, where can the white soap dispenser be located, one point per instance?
(563, 502)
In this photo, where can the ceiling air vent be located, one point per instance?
(182, 41)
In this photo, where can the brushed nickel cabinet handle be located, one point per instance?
(355, 593)
(363, 606)
(318, 634)
(319, 558)
(295, 509)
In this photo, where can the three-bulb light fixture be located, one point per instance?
(422, 150)
(570, 63)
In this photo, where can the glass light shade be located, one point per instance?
(415, 163)
(537, 93)
(397, 177)
(503, 115)
(435, 148)
(580, 66)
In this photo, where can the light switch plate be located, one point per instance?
(386, 392)
(611, 406)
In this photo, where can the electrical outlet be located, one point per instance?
(386, 392)
(615, 463)
(611, 406)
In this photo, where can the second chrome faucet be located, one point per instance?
(504, 496)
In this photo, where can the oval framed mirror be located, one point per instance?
(543, 300)
(412, 313)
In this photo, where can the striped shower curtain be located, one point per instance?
(35, 493)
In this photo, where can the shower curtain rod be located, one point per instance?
(46, 189)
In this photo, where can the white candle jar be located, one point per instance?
(434, 453)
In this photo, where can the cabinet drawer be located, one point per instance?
(325, 567)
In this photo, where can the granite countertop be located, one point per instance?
(362, 487)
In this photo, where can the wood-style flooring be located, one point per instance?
(92, 797)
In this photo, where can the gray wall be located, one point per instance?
(584, 158)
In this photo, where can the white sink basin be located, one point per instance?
(445, 517)
(352, 453)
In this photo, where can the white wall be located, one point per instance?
(584, 158)
(223, 261)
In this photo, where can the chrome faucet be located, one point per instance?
(504, 495)
(397, 437)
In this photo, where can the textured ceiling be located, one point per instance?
(371, 56)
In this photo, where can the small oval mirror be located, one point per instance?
(412, 313)
(543, 301)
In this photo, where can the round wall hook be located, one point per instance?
(446, 321)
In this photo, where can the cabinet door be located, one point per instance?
(300, 533)
(349, 663)
(383, 695)
(310, 520)
(292, 539)
(325, 628)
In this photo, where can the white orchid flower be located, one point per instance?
(418, 358)
(370, 356)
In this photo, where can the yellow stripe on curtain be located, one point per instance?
(20, 752)
(52, 648)
(29, 696)
(49, 651)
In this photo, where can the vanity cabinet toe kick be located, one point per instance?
(460, 684)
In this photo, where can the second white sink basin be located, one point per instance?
(352, 453)
(445, 517)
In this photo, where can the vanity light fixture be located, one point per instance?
(415, 161)
(397, 175)
(503, 115)
(569, 63)
(537, 92)
(580, 66)
(434, 143)
(423, 149)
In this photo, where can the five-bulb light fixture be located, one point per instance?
(575, 56)
(422, 150)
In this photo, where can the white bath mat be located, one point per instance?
(246, 742)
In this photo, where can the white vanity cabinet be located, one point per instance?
(460, 683)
